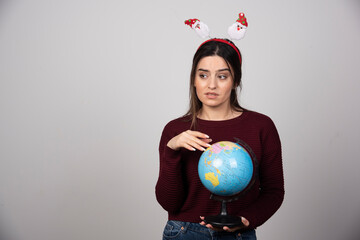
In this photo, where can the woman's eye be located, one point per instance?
(203, 75)
(222, 76)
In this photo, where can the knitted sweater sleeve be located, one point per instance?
(170, 192)
(271, 179)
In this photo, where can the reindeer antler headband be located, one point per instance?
(236, 31)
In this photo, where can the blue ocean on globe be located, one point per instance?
(225, 168)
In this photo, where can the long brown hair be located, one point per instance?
(231, 57)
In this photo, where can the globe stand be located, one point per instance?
(223, 219)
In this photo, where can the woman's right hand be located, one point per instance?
(190, 140)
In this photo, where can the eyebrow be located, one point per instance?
(220, 70)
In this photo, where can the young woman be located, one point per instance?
(216, 115)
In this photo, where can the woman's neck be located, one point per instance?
(218, 114)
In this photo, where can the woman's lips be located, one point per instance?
(211, 95)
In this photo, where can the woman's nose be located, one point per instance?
(212, 83)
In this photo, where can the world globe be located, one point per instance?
(225, 168)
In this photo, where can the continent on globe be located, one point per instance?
(220, 146)
(212, 178)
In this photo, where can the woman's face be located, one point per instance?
(213, 82)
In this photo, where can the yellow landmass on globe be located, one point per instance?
(212, 178)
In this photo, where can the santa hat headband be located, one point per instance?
(236, 31)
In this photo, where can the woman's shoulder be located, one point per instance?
(257, 115)
(180, 120)
(259, 118)
(181, 123)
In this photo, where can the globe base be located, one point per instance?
(221, 221)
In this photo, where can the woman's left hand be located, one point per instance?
(245, 222)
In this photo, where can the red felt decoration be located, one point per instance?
(242, 19)
(190, 22)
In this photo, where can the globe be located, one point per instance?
(225, 168)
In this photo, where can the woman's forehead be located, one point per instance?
(212, 62)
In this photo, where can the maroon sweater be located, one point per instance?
(180, 191)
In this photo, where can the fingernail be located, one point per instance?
(207, 136)
(203, 149)
(208, 145)
(194, 149)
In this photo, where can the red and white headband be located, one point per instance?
(236, 31)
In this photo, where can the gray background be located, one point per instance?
(86, 88)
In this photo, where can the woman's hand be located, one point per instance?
(245, 222)
(190, 140)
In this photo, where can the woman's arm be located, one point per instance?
(169, 188)
(170, 191)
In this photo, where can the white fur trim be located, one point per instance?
(203, 31)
